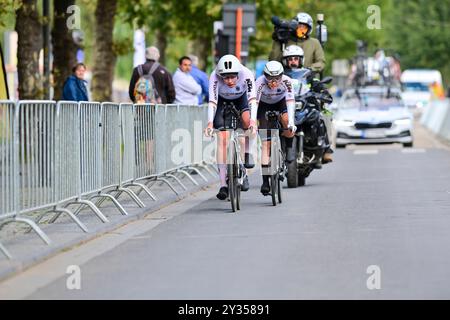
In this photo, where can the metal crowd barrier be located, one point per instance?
(54, 155)
(130, 149)
(28, 176)
(49, 146)
(8, 165)
(86, 175)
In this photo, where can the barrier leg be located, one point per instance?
(133, 196)
(93, 207)
(206, 164)
(188, 175)
(60, 211)
(113, 199)
(5, 252)
(143, 188)
(72, 216)
(198, 172)
(169, 184)
(177, 180)
(34, 226)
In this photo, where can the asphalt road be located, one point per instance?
(377, 216)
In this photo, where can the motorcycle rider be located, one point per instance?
(314, 57)
(274, 92)
(293, 61)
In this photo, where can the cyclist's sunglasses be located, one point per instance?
(229, 77)
(293, 58)
(273, 79)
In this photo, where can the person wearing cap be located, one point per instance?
(163, 79)
(314, 57)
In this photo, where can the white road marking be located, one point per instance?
(364, 152)
(414, 150)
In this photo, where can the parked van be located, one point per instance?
(416, 86)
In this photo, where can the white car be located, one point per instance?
(372, 115)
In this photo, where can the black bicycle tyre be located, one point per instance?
(231, 180)
(273, 187)
(279, 186)
(237, 185)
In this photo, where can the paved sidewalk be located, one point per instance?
(28, 249)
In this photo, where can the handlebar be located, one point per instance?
(230, 108)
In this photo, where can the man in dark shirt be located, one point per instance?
(163, 78)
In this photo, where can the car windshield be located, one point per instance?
(370, 101)
(415, 87)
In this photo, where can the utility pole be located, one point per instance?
(46, 51)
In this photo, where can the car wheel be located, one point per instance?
(408, 144)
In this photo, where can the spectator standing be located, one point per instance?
(75, 86)
(163, 79)
(202, 79)
(186, 88)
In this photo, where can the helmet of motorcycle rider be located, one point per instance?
(228, 65)
(273, 72)
(304, 19)
(293, 51)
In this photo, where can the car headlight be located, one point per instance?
(345, 123)
(402, 122)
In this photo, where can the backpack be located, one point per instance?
(145, 89)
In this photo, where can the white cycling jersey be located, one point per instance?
(271, 96)
(245, 85)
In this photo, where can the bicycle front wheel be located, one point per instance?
(232, 172)
(274, 186)
(280, 174)
(231, 187)
(238, 188)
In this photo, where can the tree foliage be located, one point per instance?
(417, 29)
(422, 37)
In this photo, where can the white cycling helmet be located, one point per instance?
(228, 64)
(293, 51)
(273, 70)
(303, 17)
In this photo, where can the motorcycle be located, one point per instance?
(311, 139)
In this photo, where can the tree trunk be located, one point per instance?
(64, 49)
(29, 31)
(161, 44)
(104, 54)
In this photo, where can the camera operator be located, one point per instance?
(314, 55)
